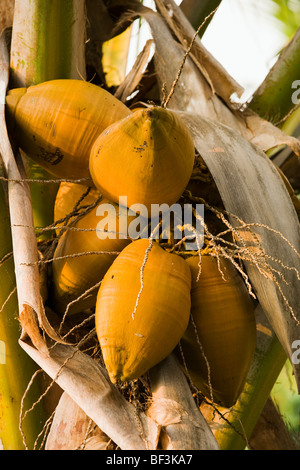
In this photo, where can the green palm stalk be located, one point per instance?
(48, 42)
(16, 367)
(277, 96)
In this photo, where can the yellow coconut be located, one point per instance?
(147, 157)
(84, 253)
(57, 122)
(219, 343)
(70, 195)
(137, 328)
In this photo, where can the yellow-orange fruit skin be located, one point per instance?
(68, 196)
(222, 314)
(134, 340)
(148, 157)
(57, 122)
(74, 272)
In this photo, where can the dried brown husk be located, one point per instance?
(6, 13)
(72, 429)
(174, 409)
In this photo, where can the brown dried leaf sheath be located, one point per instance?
(72, 429)
(174, 408)
(87, 384)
